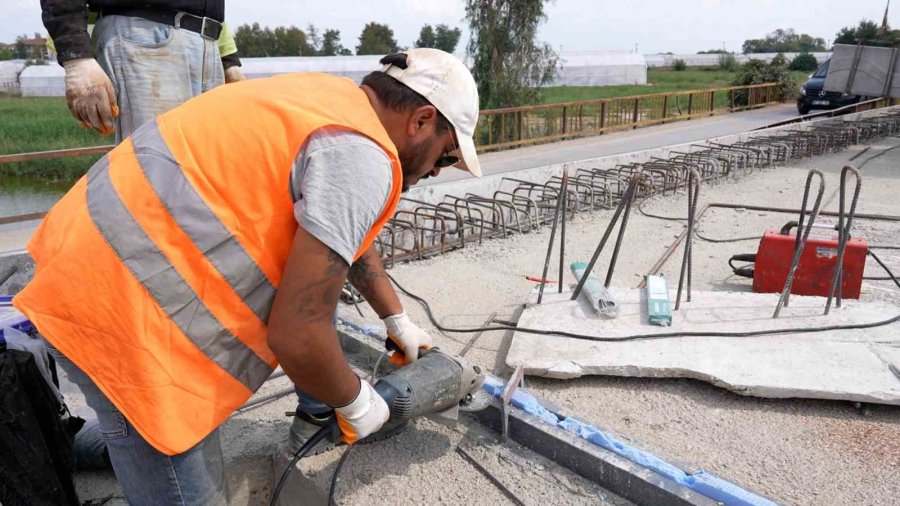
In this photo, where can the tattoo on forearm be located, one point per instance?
(336, 264)
(319, 297)
(363, 275)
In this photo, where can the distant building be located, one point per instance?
(36, 48)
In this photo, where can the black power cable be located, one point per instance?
(334, 477)
(638, 337)
(891, 276)
(301, 452)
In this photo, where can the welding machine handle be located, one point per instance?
(786, 229)
(745, 271)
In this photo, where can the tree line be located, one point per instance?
(254, 40)
(786, 40)
(507, 61)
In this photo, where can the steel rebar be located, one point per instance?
(801, 243)
(837, 281)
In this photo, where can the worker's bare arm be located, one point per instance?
(368, 276)
(301, 330)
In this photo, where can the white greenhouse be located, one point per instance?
(588, 68)
(43, 81)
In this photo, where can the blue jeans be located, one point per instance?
(147, 475)
(153, 67)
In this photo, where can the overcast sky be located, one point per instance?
(679, 26)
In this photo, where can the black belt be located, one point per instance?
(207, 27)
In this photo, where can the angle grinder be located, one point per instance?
(434, 386)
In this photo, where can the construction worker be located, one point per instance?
(156, 274)
(139, 62)
(141, 58)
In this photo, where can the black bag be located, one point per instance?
(36, 455)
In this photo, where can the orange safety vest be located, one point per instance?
(155, 273)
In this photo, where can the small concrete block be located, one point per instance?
(855, 365)
(20, 264)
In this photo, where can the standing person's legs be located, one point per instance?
(153, 66)
(148, 476)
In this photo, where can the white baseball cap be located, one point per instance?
(445, 82)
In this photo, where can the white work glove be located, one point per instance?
(90, 95)
(407, 336)
(233, 74)
(363, 416)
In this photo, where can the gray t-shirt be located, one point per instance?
(340, 184)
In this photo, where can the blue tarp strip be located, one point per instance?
(374, 331)
(701, 482)
(11, 317)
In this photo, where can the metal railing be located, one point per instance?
(867, 105)
(521, 126)
(55, 154)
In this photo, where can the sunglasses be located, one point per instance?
(448, 160)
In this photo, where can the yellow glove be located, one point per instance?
(90, 95)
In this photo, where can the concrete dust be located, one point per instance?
(794, 451)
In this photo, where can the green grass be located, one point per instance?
(658, 81)
(40, 124)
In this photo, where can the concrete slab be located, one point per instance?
(16, 269)
(855, 365)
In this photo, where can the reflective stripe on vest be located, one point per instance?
(208, 234)
(155, 273)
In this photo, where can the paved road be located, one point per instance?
(626, 141)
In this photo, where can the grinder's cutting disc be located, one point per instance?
(476, 401)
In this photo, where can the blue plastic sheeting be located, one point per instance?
(701, 482)
(11, 317)
(373, 331)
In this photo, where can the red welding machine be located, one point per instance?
(817, 263)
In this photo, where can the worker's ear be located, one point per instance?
(422, 123)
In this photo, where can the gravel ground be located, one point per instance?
(795, 451)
